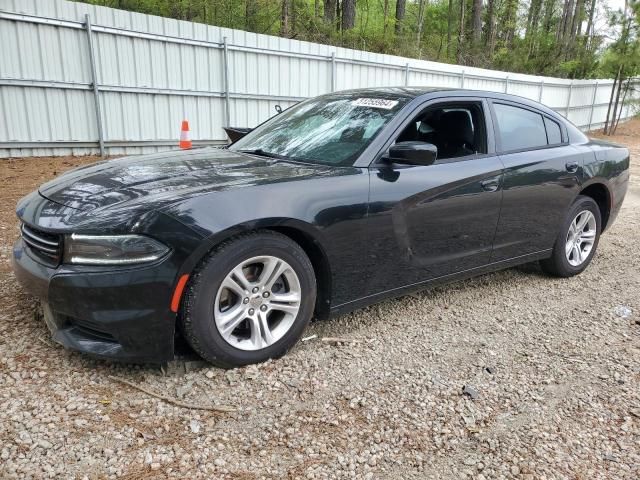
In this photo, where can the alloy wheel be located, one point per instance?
(580, 238)
(257, 303)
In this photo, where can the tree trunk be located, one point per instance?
(566, 30)
(508, 22)
(385, 19)
(284, 18)
(400, 10)
(329, 11)
(532, 26)
(348, 14)
(613, 93)
(562, 22)
(250, 15)
(548, 14)
(624, 38)
(316, 8)
(527, 28)
(449, 28)
(624, 98)
(439, 48)
(461, 33)
(533, 18)
(589, 32)
(580, 15)
(293, 14)
(573, 31)
(577, 18)
(490, 35)
(617, 101)
(364, 25)
(477, 22)
(421, 8)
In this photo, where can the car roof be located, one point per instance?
(406, 92)
(437, 92)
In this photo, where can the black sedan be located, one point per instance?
(340, 201)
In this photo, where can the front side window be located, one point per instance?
(330, 130)
(518, 128)
(457, 130)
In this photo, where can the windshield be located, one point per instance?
(330, 130)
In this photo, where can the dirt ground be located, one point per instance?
(554, 365)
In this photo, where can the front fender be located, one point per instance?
(275, 223)
(329, 212)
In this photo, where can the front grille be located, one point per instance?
(47, 247)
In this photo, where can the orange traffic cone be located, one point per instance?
(185, 141)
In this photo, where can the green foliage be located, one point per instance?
(529, 36)
(624, 52)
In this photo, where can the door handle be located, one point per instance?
(490, 185)
(572, 167)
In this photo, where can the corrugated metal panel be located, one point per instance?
(152, 72)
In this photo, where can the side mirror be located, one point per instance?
(413, 153)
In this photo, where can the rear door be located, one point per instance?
(541, 179)
(430, 221)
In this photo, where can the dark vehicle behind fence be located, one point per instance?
(338, 202)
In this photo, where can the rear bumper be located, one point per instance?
(113, 313)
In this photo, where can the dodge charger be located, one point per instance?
(338, 202)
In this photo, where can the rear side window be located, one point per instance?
(519, 128)
(553, 132)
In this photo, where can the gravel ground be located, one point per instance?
(551, 369)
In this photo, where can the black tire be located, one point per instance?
(558, 264)
(197, 312)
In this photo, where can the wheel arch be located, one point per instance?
(304, 234)
(599, 192)
(320, 261)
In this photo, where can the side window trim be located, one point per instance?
(496, 132)
(486, 116)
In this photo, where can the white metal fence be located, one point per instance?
(78, 79)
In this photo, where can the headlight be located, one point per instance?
(112, 249)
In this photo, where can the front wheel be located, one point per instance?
(578, 239)
(249, 300)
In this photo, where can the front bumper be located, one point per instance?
(114, 313)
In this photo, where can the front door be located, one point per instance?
(427, 222)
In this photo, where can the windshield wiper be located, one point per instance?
(262, 153)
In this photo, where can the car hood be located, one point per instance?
(169, 176)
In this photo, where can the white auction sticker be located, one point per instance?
(375, 103)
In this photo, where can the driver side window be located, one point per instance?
(456, 129)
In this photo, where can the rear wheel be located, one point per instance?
(577, 242)
(249, 300)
